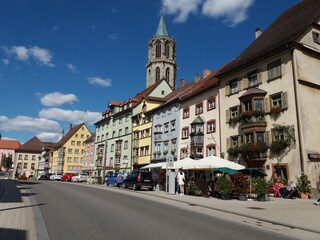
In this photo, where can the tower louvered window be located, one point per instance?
(158, 50)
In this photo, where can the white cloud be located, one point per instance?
(55, 28)
(24, 123)
(72, 67)
(5, 61)
(99, 81)
(231, 12)
(181, 8)
(41, 55)
(58, 99)
(73, 116)
(113, 36)
(48, 136)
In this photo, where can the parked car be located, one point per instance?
(80, 177)
(137, 180)
(67, 177)
(111, 179)
(56, 177)
(44, 177)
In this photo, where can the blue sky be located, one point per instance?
(62, 61)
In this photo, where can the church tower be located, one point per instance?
(161, 57)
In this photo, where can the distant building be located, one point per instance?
(27, 158)
(88, 156)
(68, 152)
(7, 149)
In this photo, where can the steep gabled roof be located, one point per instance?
(9, 144)
(197, 120)
(283, 31)
(66, 137)
(34, 145)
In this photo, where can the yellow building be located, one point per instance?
(142, 130)
(68, 152)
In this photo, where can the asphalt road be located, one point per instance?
(74, 211)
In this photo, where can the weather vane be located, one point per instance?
(161, 9)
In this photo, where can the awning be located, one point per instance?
(226, 170)
(155, 165)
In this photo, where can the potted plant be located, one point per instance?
(278, 146)
(275, 110)
(233, 152)
(192, 188)
(240, 185)
(224, 187)
(304, 186)
(259, 187)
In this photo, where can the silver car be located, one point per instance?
(80, 177)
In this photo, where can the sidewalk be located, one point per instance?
(16, 214)
(20, 214)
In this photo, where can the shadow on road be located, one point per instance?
(7, 233)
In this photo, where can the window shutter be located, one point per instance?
(266, 104)
(228, 143)
(238, 109)
(239, 85)
(228, 90)
(259, 77)
(267, 137)
(228, 115)
(245, 82)
(284, 99)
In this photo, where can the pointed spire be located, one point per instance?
(162, 28)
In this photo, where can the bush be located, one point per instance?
(240, 183)
(259, 186)
(303, 184)
(193, 189)
(224, 186)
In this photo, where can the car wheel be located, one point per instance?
(124, 185)
(134, 187)
(107, 184)
(151, 189)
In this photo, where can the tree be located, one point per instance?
(8, 162)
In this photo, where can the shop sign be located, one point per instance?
(314, 156)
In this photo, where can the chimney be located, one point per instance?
(258, 32)
(182, 82)
(197, 77)
(70, 126)
(206, 72)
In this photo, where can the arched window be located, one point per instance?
(168, 74)
(167, 50)
(158, 50)
(157, 74)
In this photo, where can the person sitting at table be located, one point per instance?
(278, 186)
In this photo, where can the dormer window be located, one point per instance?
(316, 37)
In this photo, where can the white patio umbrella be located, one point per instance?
(217, 162)
(186, 163)
(155, 165)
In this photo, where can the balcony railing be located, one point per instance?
(118, 152)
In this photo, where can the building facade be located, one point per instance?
(7, 149)
(269, 96)
(87, 158)
(68, 152)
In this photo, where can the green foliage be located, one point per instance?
(193, 189)
(224, 186)
(8, 162)
(240, 183)
(278, 146)
(303, 184)
(259, 186)
(233, 151)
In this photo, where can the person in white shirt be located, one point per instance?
(181, 179)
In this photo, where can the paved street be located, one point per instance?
(82, 211)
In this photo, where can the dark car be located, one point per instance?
(44, 177)
(137, 180)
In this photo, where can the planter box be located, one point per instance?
(304, 195)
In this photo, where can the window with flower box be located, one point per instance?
(211, 150)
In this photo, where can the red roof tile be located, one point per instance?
(9, 144)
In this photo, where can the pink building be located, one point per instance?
(7, 149)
